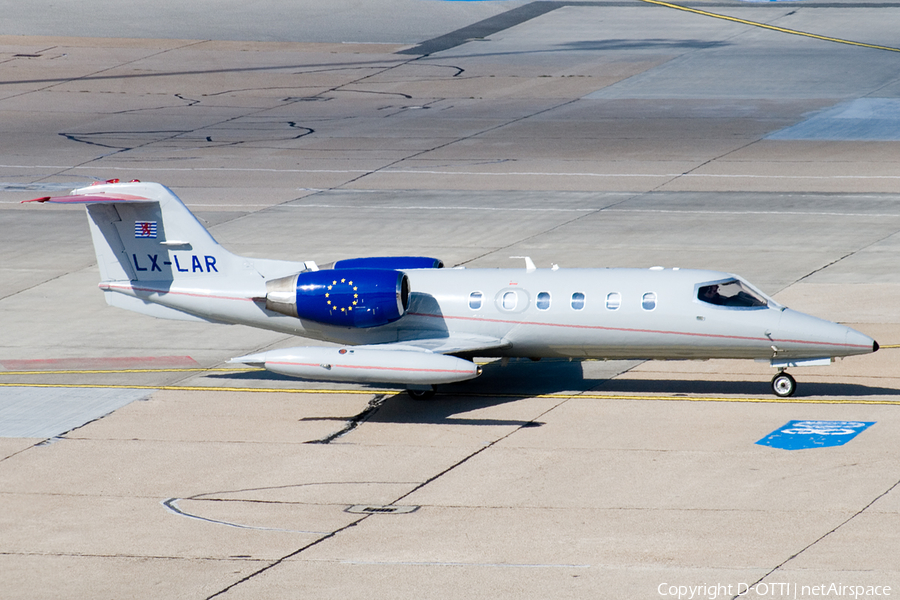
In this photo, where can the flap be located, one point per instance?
(453, 344)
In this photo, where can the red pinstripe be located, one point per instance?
(628, 330)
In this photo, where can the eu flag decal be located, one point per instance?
(797, 435)
(342, 297)
(145, 229)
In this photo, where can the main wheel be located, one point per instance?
(783, 385)
(421, 394)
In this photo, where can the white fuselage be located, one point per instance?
(577, 313)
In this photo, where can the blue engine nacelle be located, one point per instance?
(390, 262)
(343, 298)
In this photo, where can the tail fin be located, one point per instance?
(157, 259)
(143, 232)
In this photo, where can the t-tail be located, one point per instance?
(156, 258)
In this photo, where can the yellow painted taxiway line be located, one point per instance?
(194, 388)
(770, 27)
(760, 400)
(585, 396)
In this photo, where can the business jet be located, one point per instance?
(408, 321)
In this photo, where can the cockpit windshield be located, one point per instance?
(733, 293)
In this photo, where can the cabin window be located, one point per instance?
(510, 299)
(475, 300)
(613, 301)
(732, 293)
(648, 301)
(577, 301)
(543, 300)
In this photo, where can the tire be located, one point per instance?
(783, 385)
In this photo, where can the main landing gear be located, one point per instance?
(783, 385)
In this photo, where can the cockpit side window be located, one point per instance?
(732, 294)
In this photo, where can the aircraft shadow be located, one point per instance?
(528, 378)
(497, 385)
(445, 410)
(522, 379)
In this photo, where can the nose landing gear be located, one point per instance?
(783, 385)
(422, 393)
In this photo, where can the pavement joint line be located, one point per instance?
(389, 171)
(296, 552)
(610, 208)
(477, 452)
(467, 564)
(188, 388)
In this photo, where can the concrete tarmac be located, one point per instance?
(756, 138)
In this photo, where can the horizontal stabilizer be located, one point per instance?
(91, 199)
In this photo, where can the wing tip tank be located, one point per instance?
(252, 360)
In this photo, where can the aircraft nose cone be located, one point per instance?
(865, 343)
(862, 341)
(805, 335)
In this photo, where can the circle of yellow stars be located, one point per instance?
(349, 307)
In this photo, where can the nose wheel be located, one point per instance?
(783, 385)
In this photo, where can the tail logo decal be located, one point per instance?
(145, 229)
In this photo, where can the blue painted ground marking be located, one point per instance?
(797, 435)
